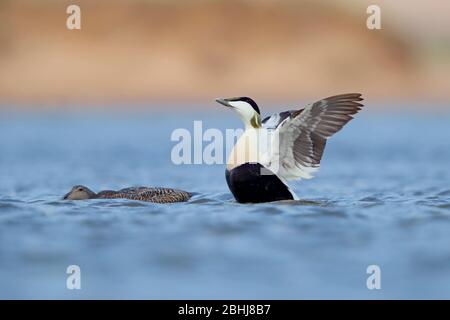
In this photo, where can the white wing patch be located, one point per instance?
(300, 136)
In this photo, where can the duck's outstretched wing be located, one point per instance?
(272, 122)
(300, 136)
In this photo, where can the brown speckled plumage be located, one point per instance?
(155, 195)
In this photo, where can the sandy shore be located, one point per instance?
(150, 50)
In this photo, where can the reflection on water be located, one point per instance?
(382, 197)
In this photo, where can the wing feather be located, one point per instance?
(302, 134)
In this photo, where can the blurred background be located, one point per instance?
(137, 51)
(382, 195)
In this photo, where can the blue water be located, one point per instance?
(382, 197)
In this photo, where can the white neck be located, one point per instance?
(248, 115)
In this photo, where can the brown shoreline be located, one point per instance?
(153, 51)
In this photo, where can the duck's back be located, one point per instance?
(156, 195)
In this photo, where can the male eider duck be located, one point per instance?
(282, 147)
(156, 195)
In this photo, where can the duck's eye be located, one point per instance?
(80, 189)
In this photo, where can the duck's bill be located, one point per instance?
(224, 102)
(66, 196)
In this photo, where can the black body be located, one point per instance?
(248, 184)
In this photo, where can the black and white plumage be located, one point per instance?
(288, 145)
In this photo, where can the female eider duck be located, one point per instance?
(285, 146)
(156, 195)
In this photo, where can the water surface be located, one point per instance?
(381, 197)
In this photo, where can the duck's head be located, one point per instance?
(80, 193)
(246, 108)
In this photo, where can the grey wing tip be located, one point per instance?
(357, 97)
(347, 100)
(346, 97)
